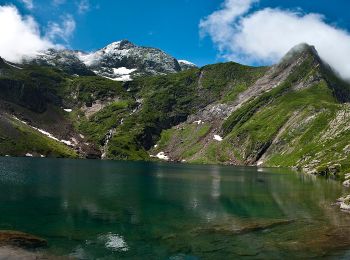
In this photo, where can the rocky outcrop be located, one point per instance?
(234, 228)
(65, 60)
(21, 240)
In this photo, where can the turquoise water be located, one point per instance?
(112, 210)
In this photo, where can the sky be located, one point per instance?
(252, 32)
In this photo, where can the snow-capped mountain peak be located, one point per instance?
(185, 65)
(120, 60)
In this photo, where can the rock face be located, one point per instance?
(65, 60)
(120, 61)
(21, 240)
(134, 59)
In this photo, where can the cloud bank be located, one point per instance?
(21, 36)
(265, 36)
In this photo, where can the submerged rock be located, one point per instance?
(243, 228)
(344, 203)
(21, 240)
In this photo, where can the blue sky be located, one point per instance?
(171, 25)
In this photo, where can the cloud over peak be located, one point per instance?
(266, 35)
(21, 37)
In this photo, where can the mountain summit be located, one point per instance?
(120, 61)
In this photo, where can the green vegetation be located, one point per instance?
(96, 127)
(227, 80)
(301, 122)
(18, 139)
(169, 100)
(87, 89)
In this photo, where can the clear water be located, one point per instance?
(108, 210)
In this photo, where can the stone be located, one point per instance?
(334, 169)
(344, 202)
(243, 228)
(21, 240)
(346, 183)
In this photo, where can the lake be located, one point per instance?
(104, 209)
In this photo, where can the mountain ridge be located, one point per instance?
(111, 61)
(292, 114)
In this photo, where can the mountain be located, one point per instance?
(186, 65)
(120, 61)
(293, 114)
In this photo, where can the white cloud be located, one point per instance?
(84, 6)
(266, 35)
(61, 31)
(20, 35)
(28, 3)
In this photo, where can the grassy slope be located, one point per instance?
(169, 100)
(17, 139)
(283, 127)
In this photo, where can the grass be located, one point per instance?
(17, 139)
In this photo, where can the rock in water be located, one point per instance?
(21, 240)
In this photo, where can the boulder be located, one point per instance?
(344, 203)
(21, 240)
(346, 183)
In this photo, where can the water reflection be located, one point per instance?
(163, 209)
(215, 188)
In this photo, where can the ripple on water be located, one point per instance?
(114, 242)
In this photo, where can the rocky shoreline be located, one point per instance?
(20, 245)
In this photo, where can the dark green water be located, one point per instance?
(112, 210)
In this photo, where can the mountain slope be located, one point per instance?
(293, 114)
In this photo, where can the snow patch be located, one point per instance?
(121, 78)
(259, 163)
(161, 156)
(69, 143)
(49, 135)
(218, 138)
(88, 59)
(187, 63)
(14, 66)
(123, 71)
(199, 122)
